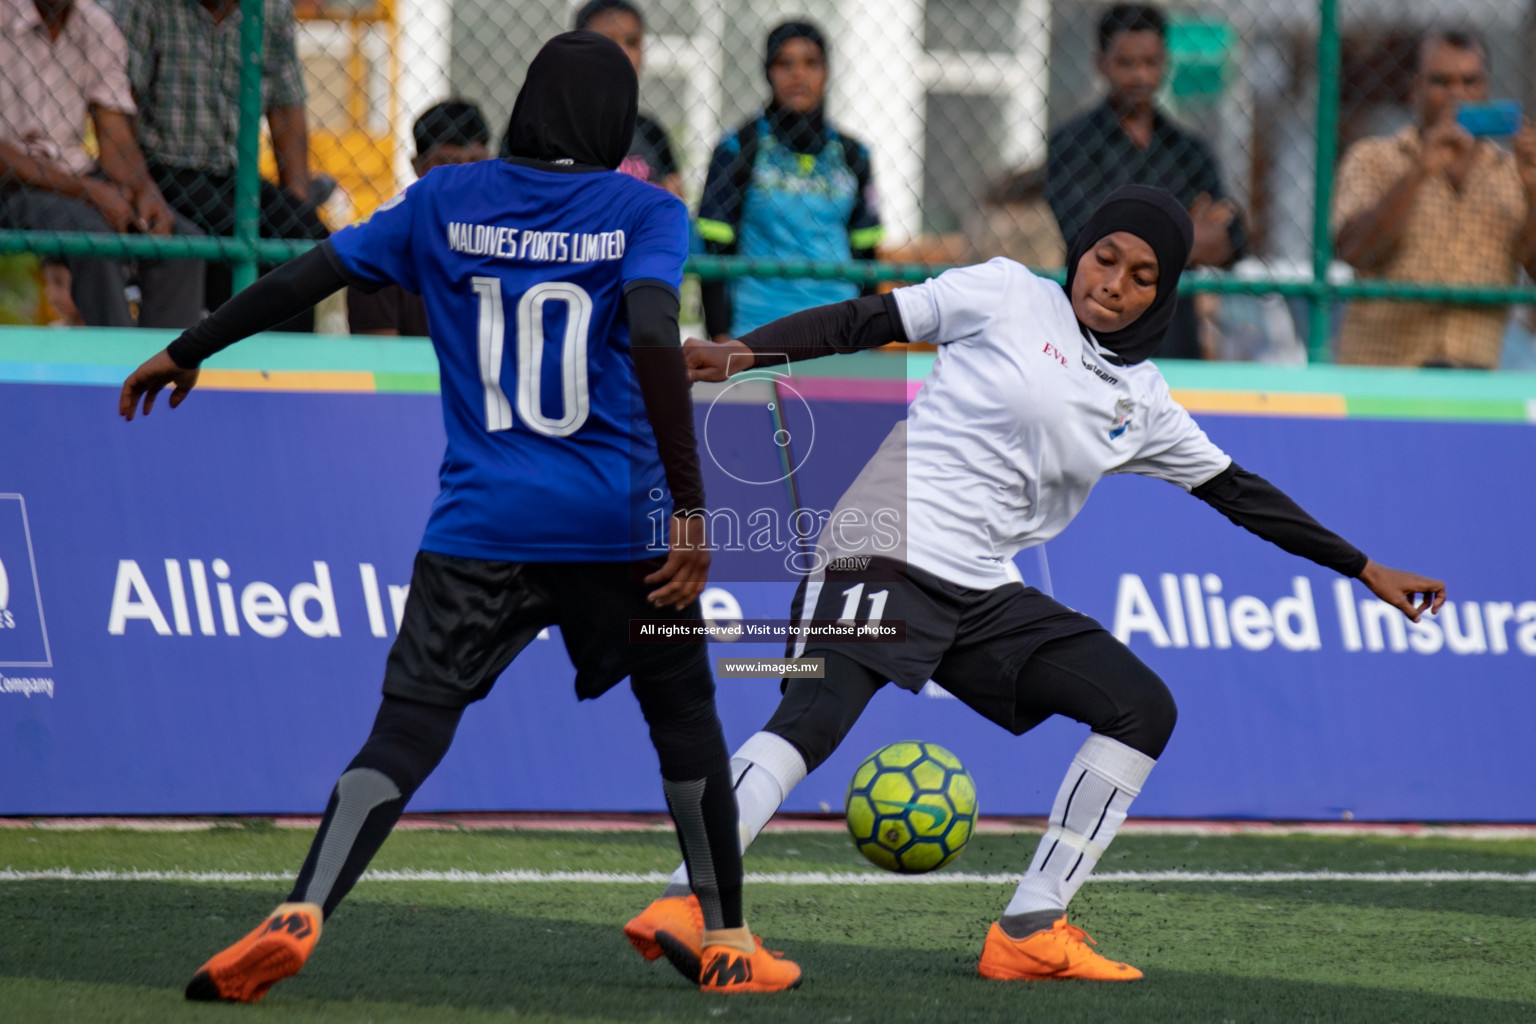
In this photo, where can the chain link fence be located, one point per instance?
(889, 138)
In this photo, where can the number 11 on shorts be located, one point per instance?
(851, 598)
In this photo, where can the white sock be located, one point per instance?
(764, 770)
(1106, 775)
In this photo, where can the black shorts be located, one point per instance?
(974, 643)
(466, 619)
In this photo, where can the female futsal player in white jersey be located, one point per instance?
(1036, 393)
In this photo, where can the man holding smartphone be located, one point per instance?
(1436, 203)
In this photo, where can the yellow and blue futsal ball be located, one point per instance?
(911, 807)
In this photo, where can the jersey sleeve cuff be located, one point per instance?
(909, 316)
(652, 282)
(1215, 479)
(717, 231)
(337, 264)
(866, 238)
(893, 310)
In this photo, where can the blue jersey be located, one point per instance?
(796, 207)
(523, 273)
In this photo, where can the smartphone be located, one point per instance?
(1495, 117)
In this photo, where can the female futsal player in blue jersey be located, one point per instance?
(544, 510)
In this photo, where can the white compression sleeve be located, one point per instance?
(1106, 775)
(764, 770)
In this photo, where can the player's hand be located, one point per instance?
(714, 361)
(683, 575)
(1400, 589)
(150, 379)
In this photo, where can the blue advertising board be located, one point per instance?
(195, 610)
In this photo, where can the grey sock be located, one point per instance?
(677, 890)
(358, 792)
(1021, 926)
(686, 801)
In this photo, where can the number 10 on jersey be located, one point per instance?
(575, 399)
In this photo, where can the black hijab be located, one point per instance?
(803, 133)
(1155, 217)
(578, 103)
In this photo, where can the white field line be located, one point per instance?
(776, 878)
(788, 824)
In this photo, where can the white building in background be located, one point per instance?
(425, 41)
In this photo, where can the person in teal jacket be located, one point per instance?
(786, 185)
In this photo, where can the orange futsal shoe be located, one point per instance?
(1060, 951)
(274, 951)
(681, 916)
(723, 968)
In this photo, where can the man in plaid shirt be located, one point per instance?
(184, 67)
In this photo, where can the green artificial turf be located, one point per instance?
(539, 951)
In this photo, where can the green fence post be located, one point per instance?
(1320, 305)
(248, 143)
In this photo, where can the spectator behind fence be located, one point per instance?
(453, 132)
(650, 155)
(184, 65)
(786, 185)
(1128, 140)
(61, 66)
(1432, 203)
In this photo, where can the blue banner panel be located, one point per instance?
(195, 610)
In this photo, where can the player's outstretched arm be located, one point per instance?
(1260, 507)
(838, 327)
(284, 293)
(1408, 592)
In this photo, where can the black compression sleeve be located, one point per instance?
(663, 378)
(289, 290)
(1260, 507)
(867, 322)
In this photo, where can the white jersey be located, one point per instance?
(1019, 418)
